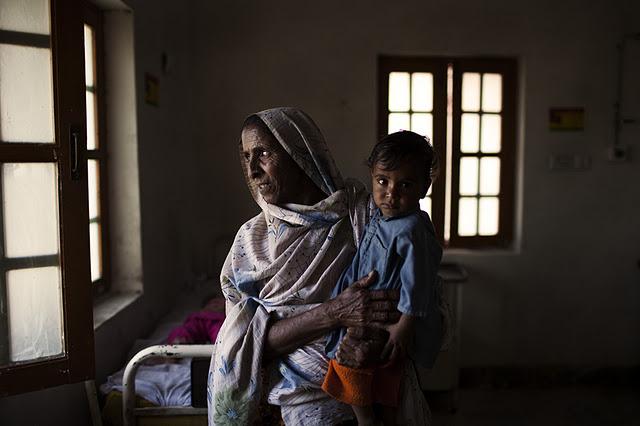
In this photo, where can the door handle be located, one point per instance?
(74, 152)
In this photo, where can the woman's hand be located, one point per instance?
(365, 346)
(357, 306)
(361, 347)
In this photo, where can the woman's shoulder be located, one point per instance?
(357, 194)
(361, 206)
(260, 217)
(251, 226)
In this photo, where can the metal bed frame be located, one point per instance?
(129, 411)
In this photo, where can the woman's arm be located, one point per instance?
(354, 307)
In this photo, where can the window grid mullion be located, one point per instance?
(410, 101)
(94, 19)
(439, 110)
(4, 312)
(19, 38)
(96, 154)
(456, 157)
(479, 154)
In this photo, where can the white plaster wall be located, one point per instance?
(166, 178)
(570, 293)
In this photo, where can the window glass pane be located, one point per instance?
(95, 251)
(422, 91)
(399, 121)
(422, 124)
(470, 91)
(469, 132)
(34, 300)
(91, 121)
(425, 205)
(491, 133)
(26, 94)
(489, 214)
(89, 58)
(492, 92)
(30, 204)
(468, 176)
(93, 178)
(30, 16)
(399, 91)
(467, 216)
(489, 176)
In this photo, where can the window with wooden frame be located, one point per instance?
(46, 327)
(467, 109)
(96, 150)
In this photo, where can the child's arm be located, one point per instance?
(400, 336)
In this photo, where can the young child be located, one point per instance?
(400, 244)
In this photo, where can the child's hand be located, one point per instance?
(400, 337)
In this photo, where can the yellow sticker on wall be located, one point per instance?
(151, 90)
(566, 119)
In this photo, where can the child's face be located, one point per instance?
(397, 192)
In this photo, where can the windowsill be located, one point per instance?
(110, 304)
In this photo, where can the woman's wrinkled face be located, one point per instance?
(270, 169)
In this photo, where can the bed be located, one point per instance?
(182, 414)
(163, 384)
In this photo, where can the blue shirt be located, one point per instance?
(405, 253)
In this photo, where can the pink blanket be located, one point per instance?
(199, 328)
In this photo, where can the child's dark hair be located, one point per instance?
(397, 147)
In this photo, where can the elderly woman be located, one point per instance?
(278, 278)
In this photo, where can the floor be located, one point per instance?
(577, 405)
